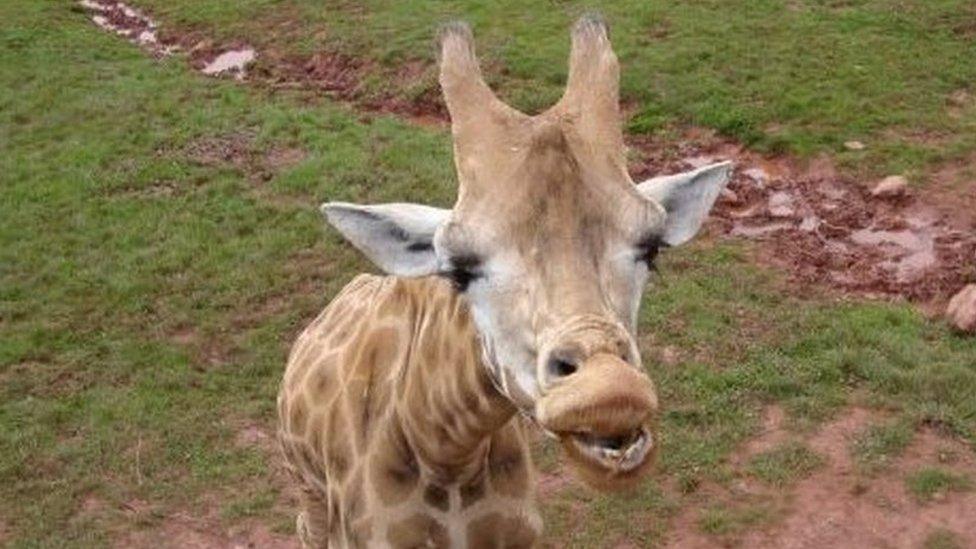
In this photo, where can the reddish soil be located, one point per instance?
(838, 505)
(129, 23)
(827, 229)
(193, 531)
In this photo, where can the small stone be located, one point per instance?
(962, 310)
(781, 204)
(699, 161)
(809, 224)
(758, 175)
(202, 45)
(891, 187)
(730, 196)
(854, 145)
(670, 356)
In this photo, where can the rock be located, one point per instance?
(962, 310)
(758, 175)
(699, 161)
(854, 146)
(781, 204)
(809, 223)
(891, 187)
(670, 356)
(730, 196)
(202, 45)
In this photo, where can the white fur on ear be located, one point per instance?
(398, 238)
(687, 198)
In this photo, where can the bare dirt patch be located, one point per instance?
(836, 508)
(240, 151)
(191, 531)
(838, 505)
(771, 433)
(827, 229)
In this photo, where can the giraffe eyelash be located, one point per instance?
(648, 249)
(462, 271)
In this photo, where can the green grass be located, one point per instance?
(877, 445)
(785, 464)
(802, 76)
(942, 539)
(726, 521)
(929, 483)
(148, 294)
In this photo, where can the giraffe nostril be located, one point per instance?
(559, 368)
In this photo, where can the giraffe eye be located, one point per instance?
(462, 270)
(648, 248)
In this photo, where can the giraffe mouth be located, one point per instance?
(618, 454)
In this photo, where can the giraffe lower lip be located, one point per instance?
(618, 453)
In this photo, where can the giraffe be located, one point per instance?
(404, 407)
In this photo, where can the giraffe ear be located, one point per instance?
(687, 198)
(398, 238)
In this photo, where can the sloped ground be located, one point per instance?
(161, 249)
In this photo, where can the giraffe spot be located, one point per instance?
(472, 492)
(418, 531)
(353, 502)
(316, 520)
(320, 381)
(310, 463)
(394, 472)
(316, 429)
(358, 532)
(297, 416)
(378, 355)
(508, 464)
(436, 497)
(493, 531)
(338, 452)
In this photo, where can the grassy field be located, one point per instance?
(803, 76)
(160, 247)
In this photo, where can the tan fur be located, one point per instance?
(401, 437)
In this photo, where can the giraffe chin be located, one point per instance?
(610, 463)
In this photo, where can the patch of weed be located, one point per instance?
(876, 446)
(929, 483)
(784, 464)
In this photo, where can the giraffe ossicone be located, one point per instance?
(399, 406)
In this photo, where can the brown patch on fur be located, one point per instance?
(436, 497)
(418, 531)
(297, 415)
(494, 530)
(394, 472)
(338, 450)
(473, 491)
(508, 464)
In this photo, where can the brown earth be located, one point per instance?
(201, 529)
(838, 505)
(826, 229)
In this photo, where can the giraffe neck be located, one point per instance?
(447, 403)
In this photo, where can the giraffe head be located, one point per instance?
(551, 243)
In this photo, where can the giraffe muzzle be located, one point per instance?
(604, 414)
